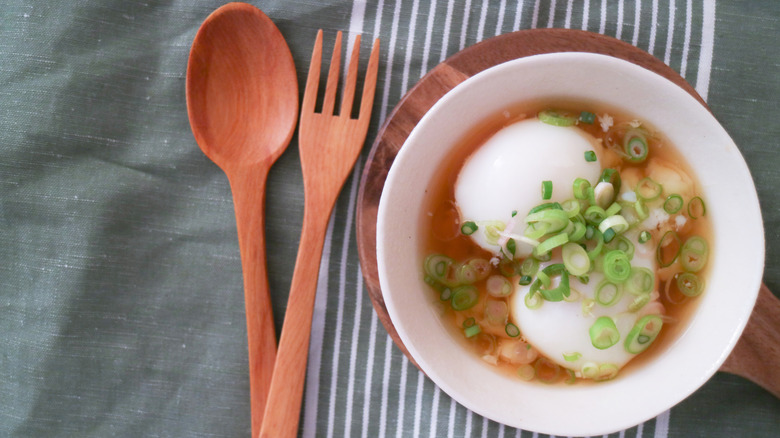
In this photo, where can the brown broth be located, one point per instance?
(440, 222)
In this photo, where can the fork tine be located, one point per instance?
(313, 80)
(369, 87)
(351, 83)
(333, 78)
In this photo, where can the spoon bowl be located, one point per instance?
(242, 102)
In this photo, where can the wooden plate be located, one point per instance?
(460, 67)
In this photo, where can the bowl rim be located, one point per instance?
(444, 380)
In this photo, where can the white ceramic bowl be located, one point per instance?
(649, 389)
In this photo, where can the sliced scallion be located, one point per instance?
(547, 188)
(639, 302)
(609, 235)
(572, 357)
(587, 117)
(546, 370)
(551, 243)
(611, 176)
(594, 214)
(557, 220)
(529, 267)
(557, 293)
(641, 281)
(512, 330)
(608, 293)
(635, 146)
(556, 118)
(673, 203)
(575, 258)
(468, 322)
(590, 156)
(526, 372)
(643, 333)
(668, 249)
(604, 333)
(525, 280)
(464, 297)
(533, 300)
(468, 228)
(498, 286)
(580, 188)
(616, 265)
(472, 331)
(645, 236)
(441, 269)
(696, 208)
(694, 253)
(578, 232)
(615, 222)
(607, 371)
(689, 284)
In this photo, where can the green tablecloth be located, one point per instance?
(121, 303)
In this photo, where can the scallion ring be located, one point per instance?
(673, 203)
(617, 267)
(498, 286)
(547, 190)
(641, 281)
(512, 330)
(615, 222)
(464, 297)
(694, 253)
(604, 333)
(556, 118)
(580, 188)
(689, 284)
(608, 293)
(575, 258)
(635, 146)
(668, 249)
(643, 333)
(468, 228)
(557, 293)
(551, 243)
(696, 208)
(647, 189)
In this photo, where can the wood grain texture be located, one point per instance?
(329, 146)
(242, 102)
(760, 341)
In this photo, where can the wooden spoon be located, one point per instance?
(242, 102)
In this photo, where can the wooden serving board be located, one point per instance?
(756, 357)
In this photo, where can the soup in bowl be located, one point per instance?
(569, 244)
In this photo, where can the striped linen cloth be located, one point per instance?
(121, 303)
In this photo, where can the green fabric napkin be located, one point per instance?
(121, 301)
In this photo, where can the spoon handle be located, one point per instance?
(284, 400)
(756, 356)
(248, 186)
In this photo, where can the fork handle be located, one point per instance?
(248, 187)
(282, 412)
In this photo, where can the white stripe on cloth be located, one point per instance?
(518, 15)
(662, 425)
(687, 41)
(637, 17)
(428, 35)
(670, 33)
(653, 27)
(707, 45)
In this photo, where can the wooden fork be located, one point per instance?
(329, 145)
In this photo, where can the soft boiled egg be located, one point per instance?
(561, 330)
(505, 175)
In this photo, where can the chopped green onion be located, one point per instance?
(545, 206)
(526, 372)
(604, 333)
(547, 188)
(493, 230)
(643, 333)
(529, 267)
(575, 258)
(536, 231)
(525, 280)
(571, 207)
(599, 238)
(611, 176)
(572, 377)
(587, 117)
(580, 188)
(647, 189)
(694, 253)
(584, 279)
(514, 213)
(556, 118)
(613, 209)
(472, 331)
(635, 146)
(533, 300)
(589, 370)
(616, 222)
(641, 209)
(689, 284)
(551, 243)
(511, 246)
(609, 235)
(673, 204)
(508, 267)
(696, 208)
(624, 244)
(589, 232)
(468, 228)
(445, 294)
(590, 156)
(572, 357)
(481, 266)
(608, 293)
(645, 236)
(496, 311)
(512, 330)
(552, 294)
(617, 267)
(641, 281)
(441, 269)
(594, 214)
(668, 249)
(557, 219)
(607, 371)
(469, 322)
(464, 297)
(578, 232)
(498, 286)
